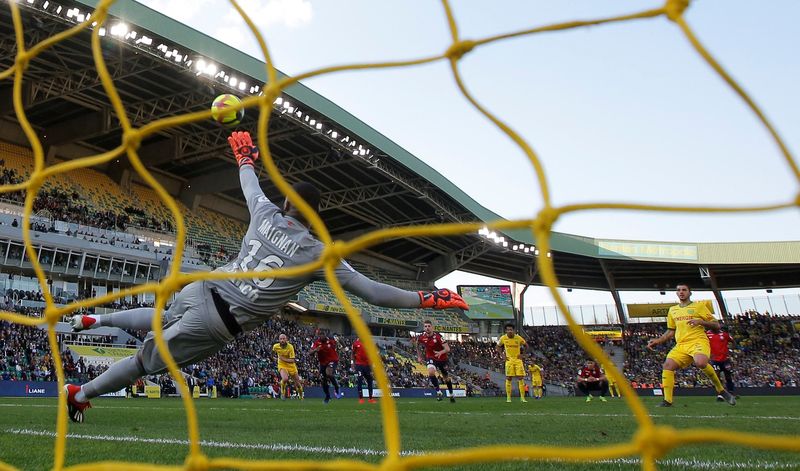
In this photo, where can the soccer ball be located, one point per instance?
(222, 112)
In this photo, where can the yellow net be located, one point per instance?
(650, 442)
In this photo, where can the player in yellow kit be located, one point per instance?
(287, 366)
(513, 344)
(536, 380)
(613, 389)
(687, 323)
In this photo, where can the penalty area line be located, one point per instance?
(682, 463)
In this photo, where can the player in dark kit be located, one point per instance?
(436, 350)
(361, 365)
(325, 348)
(719, 342)
(207, 315)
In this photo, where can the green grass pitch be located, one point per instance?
(154, 431)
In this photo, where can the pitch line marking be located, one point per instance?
(450, 412)
(682, 463)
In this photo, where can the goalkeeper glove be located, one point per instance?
(441, 299)
(243, 149)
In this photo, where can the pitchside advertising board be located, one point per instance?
(28, 389)
(488, 301)
(659, 309)
(38, 389)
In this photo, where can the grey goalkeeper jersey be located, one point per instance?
(275, 241)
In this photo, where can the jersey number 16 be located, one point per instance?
(269, 262)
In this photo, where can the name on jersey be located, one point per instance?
(278, 238)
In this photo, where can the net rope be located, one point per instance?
(649, 442)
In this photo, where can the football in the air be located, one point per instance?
(223, 112)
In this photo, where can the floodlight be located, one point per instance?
(242, 86)
(334, 134)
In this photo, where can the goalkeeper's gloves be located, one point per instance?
(441, 299)
(243, 149)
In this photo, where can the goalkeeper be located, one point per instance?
(687, 323)
(206, 315)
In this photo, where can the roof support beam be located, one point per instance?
(614, 293)
(708, 276)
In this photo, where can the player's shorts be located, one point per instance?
(331, 364)
(722, 365)
(440, 365)
(363, 370)
(683, 353)
(536, 382)
(290, 368)
(195, 331)
(515, 367)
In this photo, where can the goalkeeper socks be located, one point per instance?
(283, 388)
(521, 384)
(712, 375)
(508, 389)
(668, 378)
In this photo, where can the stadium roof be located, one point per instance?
(368, 181)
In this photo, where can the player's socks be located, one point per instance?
(300, 392)
(508, 389)
(434, 382)
(335, 385)
(80, 396)
(668, 378)
(521, 385)
(326, 388)
(449, 386)
(712, 375)
(116, 377)
(283, 389)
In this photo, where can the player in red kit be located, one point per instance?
(436, 350)
(325, 348)
(719, 355)
(592, 378)
(361, 365)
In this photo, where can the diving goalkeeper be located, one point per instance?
(206, 315)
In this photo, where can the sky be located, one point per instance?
(623, 113)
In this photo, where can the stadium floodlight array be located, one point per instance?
(502, 242)
(176, 55)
